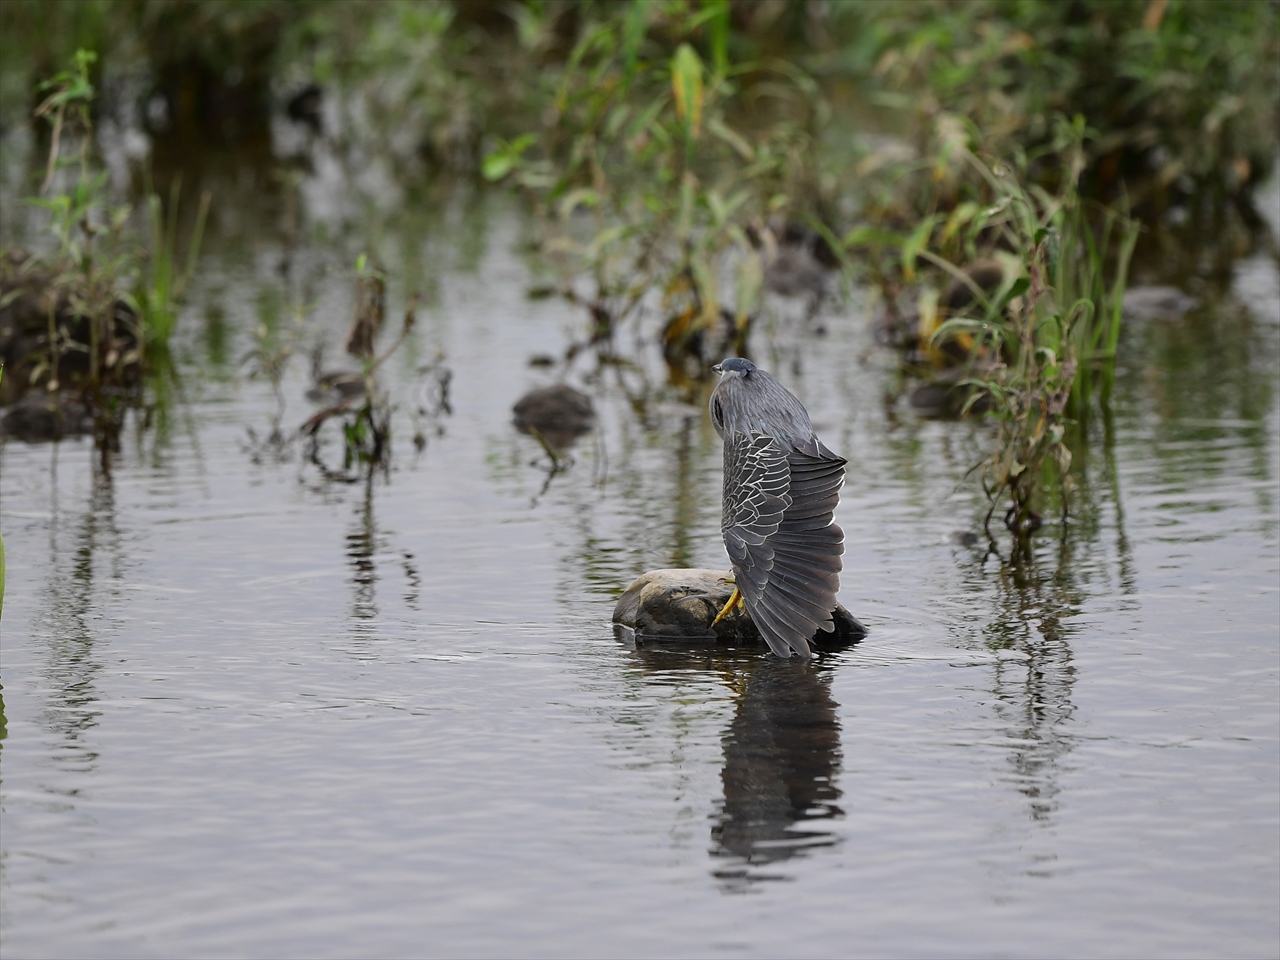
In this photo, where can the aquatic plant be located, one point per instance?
(273, 349)
(648, 146)
(1041, 344)
(162, 281)
(92, 329)
(104, 299)
(363, 409)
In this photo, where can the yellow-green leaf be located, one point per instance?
(686, 87)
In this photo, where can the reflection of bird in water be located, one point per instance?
(781, 486)
(781, 761)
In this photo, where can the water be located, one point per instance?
(252, 712)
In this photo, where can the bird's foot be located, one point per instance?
(735, 599)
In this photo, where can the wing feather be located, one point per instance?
(780, 535)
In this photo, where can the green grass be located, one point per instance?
(1042, 346)
(163, 279)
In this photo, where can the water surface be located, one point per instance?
(255, 712)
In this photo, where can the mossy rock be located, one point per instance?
(679, 605)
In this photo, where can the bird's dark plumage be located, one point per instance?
(781, 487)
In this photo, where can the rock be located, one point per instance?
(41, 417)
(1157, 302)
(795, 272)
(679, 605)
(945, 395)
(898, 325)
(958, 297)
(558, 414)
(935, 401)
(335, 386)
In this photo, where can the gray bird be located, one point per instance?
(781, 486)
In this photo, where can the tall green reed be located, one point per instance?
(162, 281)
(1042, 344)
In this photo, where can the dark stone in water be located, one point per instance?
(41, 417)
(795, 272)
(898, 326)
(558, 414)
(678, 606)
(935, 400)
(336, 386)
(944, 397)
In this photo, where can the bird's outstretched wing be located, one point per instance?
(781, 538)
(756, 479)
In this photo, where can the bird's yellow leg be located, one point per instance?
(735, 598)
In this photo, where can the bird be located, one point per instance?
(781, 487)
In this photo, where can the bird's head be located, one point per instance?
(735, 366)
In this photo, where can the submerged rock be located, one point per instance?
(899, 325)
(41, 417)
(334, 386)
(679, 606)
(558, 414)
(795, 272)
(946, 396)
(797, 258)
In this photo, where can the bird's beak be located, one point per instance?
(716, 368)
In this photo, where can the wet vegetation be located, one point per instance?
(85, 321)
(982, 168)
(382, 332)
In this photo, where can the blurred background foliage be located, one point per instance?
(980, 165)
(1181, 94)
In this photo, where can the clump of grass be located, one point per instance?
(162, 282)
(1041, 345)
(104, 299)
(92, 336)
